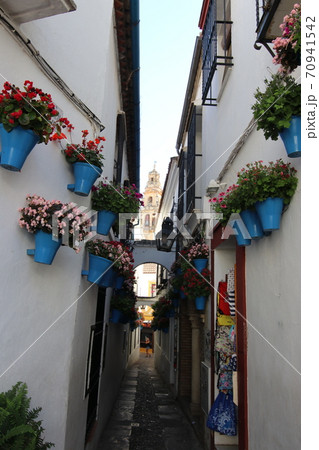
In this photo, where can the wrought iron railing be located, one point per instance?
(211, 58)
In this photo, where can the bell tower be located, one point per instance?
(152, 198)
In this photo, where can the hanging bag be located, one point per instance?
(222, 416)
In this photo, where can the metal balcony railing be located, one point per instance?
(215, 30)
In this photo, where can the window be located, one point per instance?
(147, 220)
(216, 44)
(120, 144)
(193, 161)
(181, 187)
(150, 199)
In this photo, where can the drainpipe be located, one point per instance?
(135, 24)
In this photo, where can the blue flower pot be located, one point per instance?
(105, 220)
(252, 223)
(241, 239)
(116, 316)
(292, 137)
(119, 280)
(109, 277)
(165, 330)
(182, 295)
(200, 302)
(15, 147)
(97, 267)
(85, 176)
(200, 264)
(45, 248)
(269, 212)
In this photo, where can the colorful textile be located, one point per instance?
(223, 344)
(223, 415)
(225, 380)
(222, 300)
(231, 291)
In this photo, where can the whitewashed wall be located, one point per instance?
(273, 263)
(47, 311)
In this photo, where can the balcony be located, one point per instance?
(269, 15)
(22, 11)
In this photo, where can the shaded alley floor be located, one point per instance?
(146, 416)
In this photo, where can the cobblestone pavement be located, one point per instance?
(146, 416)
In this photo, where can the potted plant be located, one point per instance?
(173, 296)
(27, 117)
(86, 159)
(278, 110)
(54, 224)
(197, 253)
(20, 426)
(124, 268)
(123, 306)
(110, 199)
(288, 46)
(196, 286)
(267, 185)
(102, 258)
(162, 311)
(233, 202)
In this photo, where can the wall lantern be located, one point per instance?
(166, 237)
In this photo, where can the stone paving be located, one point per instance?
(146, 416)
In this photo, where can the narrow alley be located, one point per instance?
(146, 415)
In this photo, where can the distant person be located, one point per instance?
(148, 347)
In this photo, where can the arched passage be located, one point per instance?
(146, 252)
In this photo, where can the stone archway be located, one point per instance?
(146, 252)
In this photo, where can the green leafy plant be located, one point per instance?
(196, 284)
(161, 311)
(30, 108)
(275, 106)
(260, 181)
(66, 218)
(257, 182)
(113, 197)
(230, 202)
(89, 151)
(19, 427)
(125, 301)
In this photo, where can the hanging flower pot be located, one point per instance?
(252, 223)
(182, 295)
(15, 147)
(119, 280)
(109, 277)
(85, 176)
(97, 267)
(241, 236)
(105, 220)
(116, 316)
(200, 303)
(45, 247)
(292, 137)
(200, 263)
(269, 212)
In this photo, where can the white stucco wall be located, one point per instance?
(273, 263)
(47, 311)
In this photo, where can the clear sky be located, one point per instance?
(168, 29)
